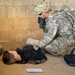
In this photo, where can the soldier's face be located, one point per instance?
(44, 15)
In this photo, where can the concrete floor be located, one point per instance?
(53, 66)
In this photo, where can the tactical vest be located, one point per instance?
(70, 14)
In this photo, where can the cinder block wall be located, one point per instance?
(17, 21)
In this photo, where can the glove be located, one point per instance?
(36, 47)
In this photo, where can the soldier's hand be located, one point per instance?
(36, 47)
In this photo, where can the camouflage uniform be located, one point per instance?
(59, 31)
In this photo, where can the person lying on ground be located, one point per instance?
(24, 54)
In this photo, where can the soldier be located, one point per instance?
(58, 30)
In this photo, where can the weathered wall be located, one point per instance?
(17, 21)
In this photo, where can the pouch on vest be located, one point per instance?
(41, 23)
(70, 14)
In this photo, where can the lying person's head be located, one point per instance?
(8, 58)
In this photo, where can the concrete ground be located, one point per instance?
(53, 66)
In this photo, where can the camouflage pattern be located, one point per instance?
(59, 31)
(41, 7)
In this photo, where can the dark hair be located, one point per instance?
(8, 58)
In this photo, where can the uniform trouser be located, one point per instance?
(59, 45)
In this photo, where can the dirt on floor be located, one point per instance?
(53, 66)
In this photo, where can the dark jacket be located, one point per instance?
(30, 55)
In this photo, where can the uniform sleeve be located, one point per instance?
(49, 33)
